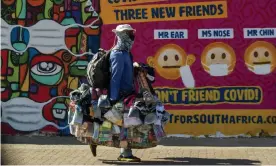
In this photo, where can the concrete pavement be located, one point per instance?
(183, 154)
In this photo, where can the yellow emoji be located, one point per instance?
(260, 57)
(168, 60)
(218, 59)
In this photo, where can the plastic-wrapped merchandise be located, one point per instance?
(78, 130)
(119, 106)
(123, 134)
(131, 121)
(133, 112)
(114, 117)
(106, 126)
(144, 128)
(150, 118)
(148, 97)
(116, 129)
(165, 118)
(104, 103)
(158, 132)
(96, 131)
(77, 118)
(96, 109)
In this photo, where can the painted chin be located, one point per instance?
(171, 67)
(59, 113)
(261, 63)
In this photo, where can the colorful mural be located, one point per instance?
(45, 48)
(214, 60)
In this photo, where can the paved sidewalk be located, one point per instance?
(24, 154)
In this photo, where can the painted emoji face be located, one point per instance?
(168, 59)
(218, 59)
(260, 57)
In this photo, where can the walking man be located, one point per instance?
(122, 75)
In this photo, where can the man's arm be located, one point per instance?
(117, 68)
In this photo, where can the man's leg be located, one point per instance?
(126, 155)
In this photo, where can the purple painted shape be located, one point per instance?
(33, 88)
(10, 71)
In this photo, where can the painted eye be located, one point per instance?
(223, 55)
(47, 70)
(213, 56)
(256, 54)
(176, 57)
(165, 58)
(266, 54)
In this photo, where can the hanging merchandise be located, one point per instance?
(134, 122)
(96, 131)
(116, 130)
(131, 121)
(159, 132)
(104, 104)
(114, 117)
(77, 118)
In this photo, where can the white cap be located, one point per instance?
(123, 27)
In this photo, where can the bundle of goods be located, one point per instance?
(137, 121)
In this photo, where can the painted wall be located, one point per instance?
(215, 60)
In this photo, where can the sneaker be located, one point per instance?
(129, 159)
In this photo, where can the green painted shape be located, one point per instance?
(84, 14)
(40, 16)
(74, 49)
(79, 40)
(18, 8)
(14, 86)
(15, 94)
(24, 94)
(19, 46)
(15, 76)
(60, 106)
(78, 68)
(23, 10)
(48, 79)
(48, 5)
(24, 58)
(69, 21)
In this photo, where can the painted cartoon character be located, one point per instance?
(260, 58)
(218, 59)
(172, 62)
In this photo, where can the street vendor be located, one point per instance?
(122, 75)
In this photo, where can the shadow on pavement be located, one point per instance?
(189, 161)
(171, 141)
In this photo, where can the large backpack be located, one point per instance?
(98, 70)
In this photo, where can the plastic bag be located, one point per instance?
(116, 129)
(159, 132)
(133, 112)
(131, 121)
(104, 102)
(77, 118)
(114, 117)
(96, 131)
(150, 118)
(144, 128)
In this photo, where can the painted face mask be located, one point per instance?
(24, 114)
(218, 69)
(187, 76)
(260, 69)
(47, 36)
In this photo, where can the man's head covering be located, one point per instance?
(124, 42)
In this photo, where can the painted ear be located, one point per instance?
(150, 61)
(190, 59)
